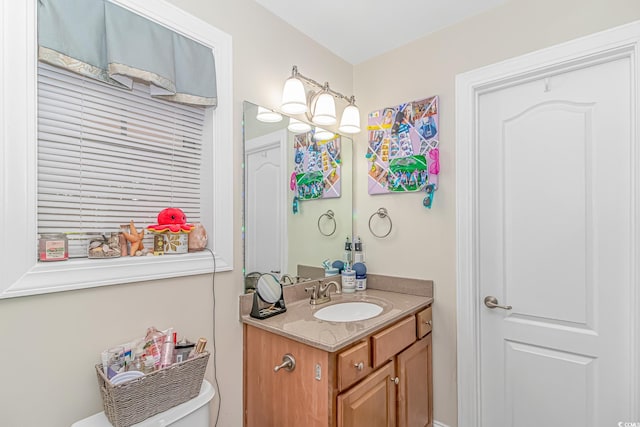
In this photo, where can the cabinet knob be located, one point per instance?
(428, 322)
(288, 363)
(359, 366)
(395, 380)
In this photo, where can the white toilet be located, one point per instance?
(193, 413)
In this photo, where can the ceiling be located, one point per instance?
(357, 30)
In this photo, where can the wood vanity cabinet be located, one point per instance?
(383, 380)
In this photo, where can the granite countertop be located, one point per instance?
(299, 324)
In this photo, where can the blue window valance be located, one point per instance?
(101, 40)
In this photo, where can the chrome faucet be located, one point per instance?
(320, 293)
(323, 291)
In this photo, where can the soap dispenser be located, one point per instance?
(359, 255)
(347, 254)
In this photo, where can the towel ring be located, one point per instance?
(382, 213)
(332, 217)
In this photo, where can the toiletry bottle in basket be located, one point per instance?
(153, 345)
(166, 357)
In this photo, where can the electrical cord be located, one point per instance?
(215, 353)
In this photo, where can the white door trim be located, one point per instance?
(617, 42)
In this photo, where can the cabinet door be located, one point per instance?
(284, 398)
(371, 403)
(415, 388)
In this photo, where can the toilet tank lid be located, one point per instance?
(168, 417)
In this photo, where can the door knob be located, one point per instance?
(288, 363)
(492, 302)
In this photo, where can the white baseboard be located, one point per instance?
(439, 424)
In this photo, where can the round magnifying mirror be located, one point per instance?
(269, 289)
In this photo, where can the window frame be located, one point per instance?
(22, 274)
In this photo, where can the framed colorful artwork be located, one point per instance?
(402, 152)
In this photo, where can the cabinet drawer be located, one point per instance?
(392, 340)
(353, 365)
(423, 320)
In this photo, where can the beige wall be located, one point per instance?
(51, 342)
(422, 244)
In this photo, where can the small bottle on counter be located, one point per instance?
(348, 281)
(359, 255)
(347, 254)
(361, 276)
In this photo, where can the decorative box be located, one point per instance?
(176, 243)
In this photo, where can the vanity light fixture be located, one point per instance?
(320, 106)
(324, 111)
(294, 98)
(296, 126)
(350, 122)
(268, 116)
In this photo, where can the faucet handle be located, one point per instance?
(314, 291)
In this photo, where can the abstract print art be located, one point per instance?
(403, 153)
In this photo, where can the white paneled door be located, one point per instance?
(265, 200)
(555, 230)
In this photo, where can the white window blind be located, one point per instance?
(107, 156)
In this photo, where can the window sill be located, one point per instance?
(45, 277)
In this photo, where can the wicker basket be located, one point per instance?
(136, 400)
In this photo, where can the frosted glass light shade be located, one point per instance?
(268, 116)
(350, 121)
(296, 126)
(294, 99)
(322, 135)
(325, 110)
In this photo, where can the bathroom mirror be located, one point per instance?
(277, 240)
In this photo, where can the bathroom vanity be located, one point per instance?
(301, 371)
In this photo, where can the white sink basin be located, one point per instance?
(348, 312)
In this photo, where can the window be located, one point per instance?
(19, 192)
(108, 155)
